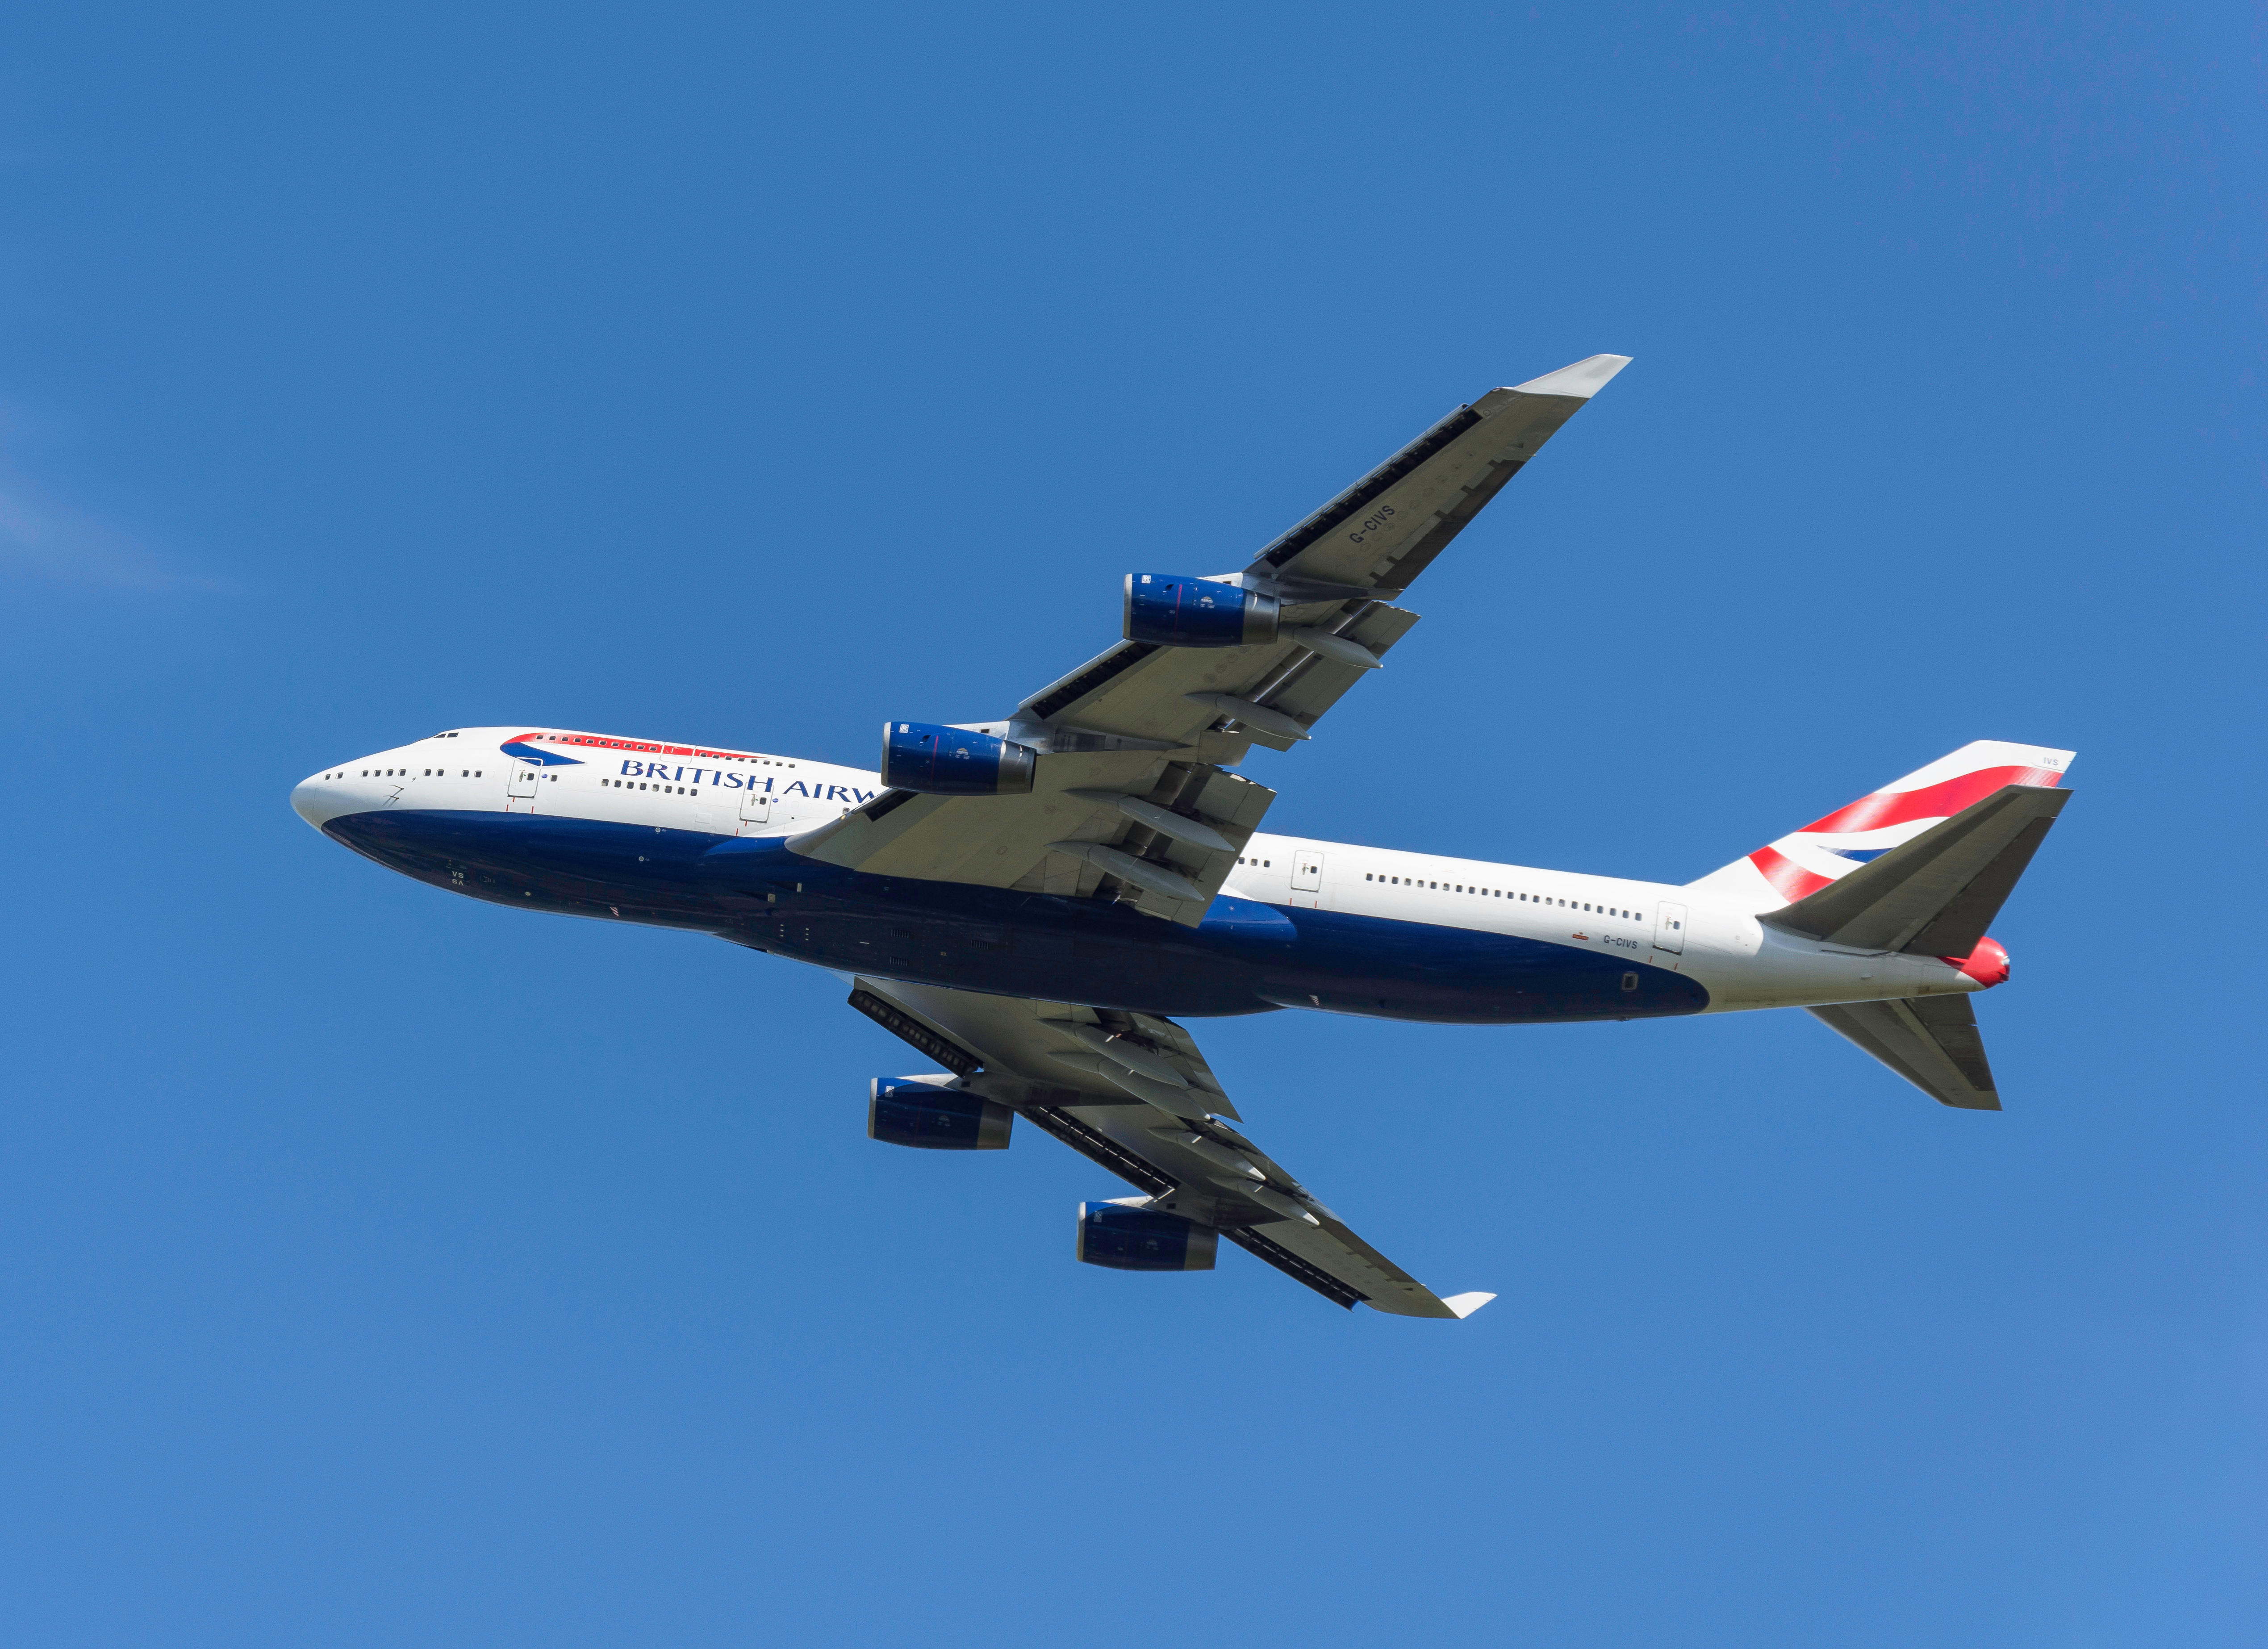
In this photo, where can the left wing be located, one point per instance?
(1167, 853)
(1154, 726)
(1132, 1092)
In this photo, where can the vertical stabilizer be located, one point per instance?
(1804, 861)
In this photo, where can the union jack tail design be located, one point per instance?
(1804, 861)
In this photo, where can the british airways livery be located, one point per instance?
(1034, 902)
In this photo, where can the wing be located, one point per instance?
(1157, 725)
(1160, 830)
(1335, 572)
(1132, 1093)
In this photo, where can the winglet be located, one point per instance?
(1465, 1305)
(1584, 379)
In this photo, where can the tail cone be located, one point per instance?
(1987, 964)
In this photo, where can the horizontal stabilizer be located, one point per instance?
(1936, 895)
(1931, 1042)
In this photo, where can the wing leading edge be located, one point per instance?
(1132, 1093)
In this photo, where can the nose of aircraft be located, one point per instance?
(309, 801)
(322, 796)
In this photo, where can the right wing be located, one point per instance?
(1132, 1093)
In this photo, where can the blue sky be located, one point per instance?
(378, 1267)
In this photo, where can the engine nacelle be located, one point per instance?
(935, 1113)
(1130, 1236)
(953, 761)
(1174, 611)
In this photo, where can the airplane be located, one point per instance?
(1034, 902)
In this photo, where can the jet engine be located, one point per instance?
(1127, 1235)
(935, 1113)
(953, 761)
(1179, 612)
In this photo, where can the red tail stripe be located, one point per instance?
(1790, 879)
(1884, 808)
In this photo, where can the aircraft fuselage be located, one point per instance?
(696, 840)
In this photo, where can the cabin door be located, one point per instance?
(755, 810)
(519, 782)
(1670, 928)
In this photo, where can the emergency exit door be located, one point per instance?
(1670, 928)
(1306, 879)
(519, 782)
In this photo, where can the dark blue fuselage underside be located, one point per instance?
(1247, 957)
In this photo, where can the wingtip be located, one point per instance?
(1582, 380)
(1465, 1305)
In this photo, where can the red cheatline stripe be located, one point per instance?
(1884, 808)
(632, 744)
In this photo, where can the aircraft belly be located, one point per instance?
(1246, 957)
(1409, 970)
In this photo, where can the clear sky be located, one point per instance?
(378, 1267)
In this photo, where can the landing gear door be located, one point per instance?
(755, 810)
(520, 781)
(1670, 928)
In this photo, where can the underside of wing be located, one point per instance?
(1128, 797)
(1334, 574)
(1151, 828)
(1133, 1093)
(1389, 526)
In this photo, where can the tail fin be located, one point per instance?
(1804, 861)
(1936, 895)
